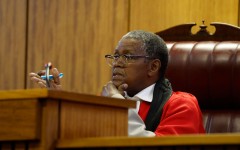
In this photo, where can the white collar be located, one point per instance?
(146, 94)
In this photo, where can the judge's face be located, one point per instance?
(134, 72)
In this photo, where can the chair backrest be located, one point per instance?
(208, 66)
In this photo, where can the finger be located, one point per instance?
(36, 80)
(41, 72)
(42, 85)
(56, 76)
(55, 86)
(110, 86)
(32, 74)
(112, 89)
(52, 84)
(122, 88)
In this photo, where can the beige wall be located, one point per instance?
(76, 34)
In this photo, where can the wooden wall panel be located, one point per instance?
(12, 44)
(75, 35)
(156, 15)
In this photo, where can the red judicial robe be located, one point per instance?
(181, 115)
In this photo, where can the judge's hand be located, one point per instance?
(110, 89)
(54, 84)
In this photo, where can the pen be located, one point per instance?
(51, 76)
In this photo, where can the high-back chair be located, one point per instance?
(208, 66)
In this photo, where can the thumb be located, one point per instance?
(56, 76)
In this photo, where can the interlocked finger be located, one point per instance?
(42, 85)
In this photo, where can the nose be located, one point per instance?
(119, 62)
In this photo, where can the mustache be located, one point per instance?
(118, 71)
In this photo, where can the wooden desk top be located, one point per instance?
(65, 95)
(208, 139)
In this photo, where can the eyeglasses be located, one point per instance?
(125, 59)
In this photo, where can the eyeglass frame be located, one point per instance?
(125, 56)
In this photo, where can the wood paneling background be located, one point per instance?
(157, 15)
(12, 44)
(76, 34)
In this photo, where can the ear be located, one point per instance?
(154, 67)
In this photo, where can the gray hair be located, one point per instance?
(153, 45)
